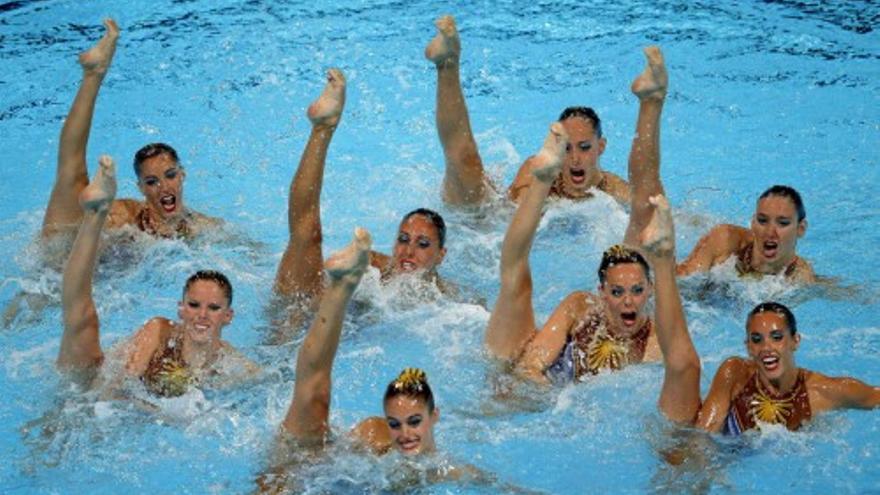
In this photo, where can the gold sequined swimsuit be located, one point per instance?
(755, 403)
(167, 374)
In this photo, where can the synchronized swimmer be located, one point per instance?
(586, 334)
(160, 175)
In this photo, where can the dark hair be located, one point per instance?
(779, 309)
(413, 383)
(585, 113)
(211, 276)
(790, 193)
(151, 150)
(618, 254)
(435, 218)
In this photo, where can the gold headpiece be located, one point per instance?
(618, 251)
(410, 379)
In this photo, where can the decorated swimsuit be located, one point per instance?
(755, 404)
(591, 349)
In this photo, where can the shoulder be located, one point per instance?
(145, 342)
(579, 301)
(123, 212)
(734, 370)
(522, 180)
(614, 185)
(730, 234)
(379, 260)
(803, 271)
(374, 434)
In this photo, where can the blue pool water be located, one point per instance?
(761, 93)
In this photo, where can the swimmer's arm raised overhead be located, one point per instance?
(714, 248)
(827, 392)
(547, 344)
(731, 374)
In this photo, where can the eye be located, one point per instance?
(568, 148)
(151, 181)
(761, 219)
(777, 335)
(414, 421)
(403, 238)
(756, 338)
(585, 146)
(638, 290)
(214, 307)
(171, 173)
(192, 304)
(393, 424)
(784, 222)
(424, 242)
(617, 291)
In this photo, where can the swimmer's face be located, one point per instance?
(411, 425)
(771, 345)
(204, 311)
(626, 292)
(776, 229)
(161, 182)
(417, 246)
(580, 170)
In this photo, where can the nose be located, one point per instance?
(627, 299)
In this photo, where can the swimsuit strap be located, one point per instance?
(744, 263)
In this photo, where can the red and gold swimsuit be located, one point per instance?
(591, 348)
(168, 375)
(744, 264)
(755, 403)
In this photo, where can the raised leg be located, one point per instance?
(512, 321)
(80, 344)
(300, 270)
(72, 175)
(644, 157)
(680, 394)
(306, 418)
(465, 182)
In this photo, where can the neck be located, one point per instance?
(199, 355)
(783, 384)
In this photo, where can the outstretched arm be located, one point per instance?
(513, 320)
(72, 174)
(465, 182)
(680, 394)
(644, 156)
(80, 344)
(841, 393)
(713, 248)
(307, 416)
(299, 272)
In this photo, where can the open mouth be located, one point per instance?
(770, 249)
(629, 319)
(168, 203)
(407, 266)
(578, 175)
(770, 362)
(408, 445)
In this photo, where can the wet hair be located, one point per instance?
(585, 113)
(779, 309)
(790, 193)
(211, 276)
(151, 150)
(619, 254)
(435, 218)
(413, 383)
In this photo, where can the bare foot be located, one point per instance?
(658, 238)
(652, 82)
(98, 195)
(548, 161)
(446, 46)
(350, 263)
(96, 60)
(327, 109)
